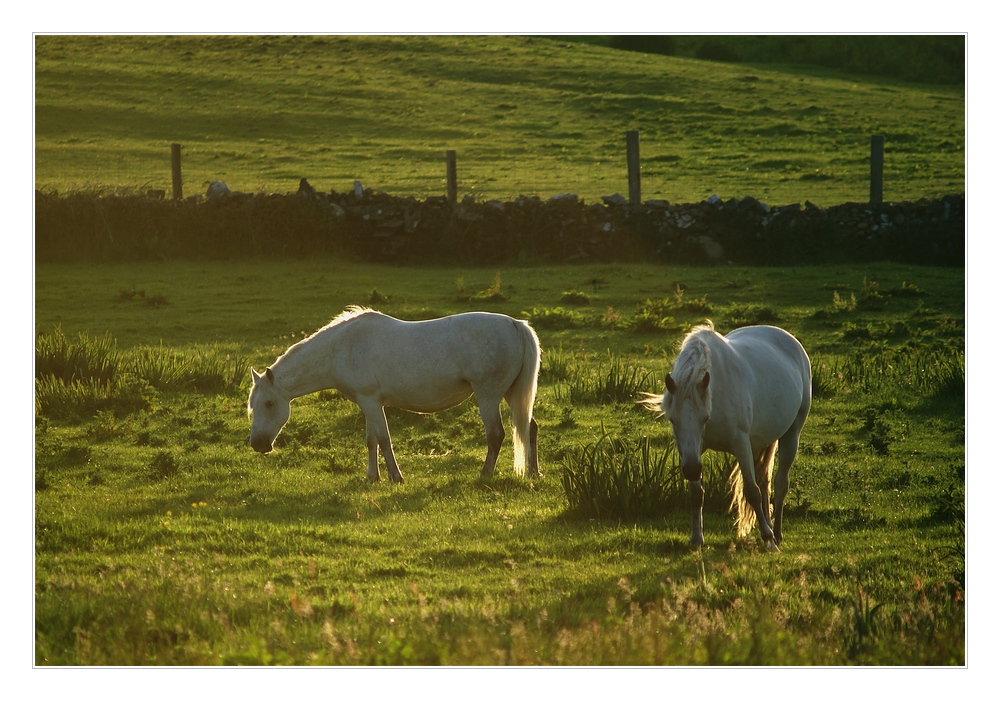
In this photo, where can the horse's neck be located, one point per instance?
(305, 368)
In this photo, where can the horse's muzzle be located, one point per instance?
(261, 446)
(691, 470)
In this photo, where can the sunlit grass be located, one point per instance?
(527, 115)
(161, 538)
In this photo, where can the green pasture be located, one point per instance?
(161, 538)
(526, 115)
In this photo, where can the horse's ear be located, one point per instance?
(254, 375)
(671, 385)
(704, 382)
(269, 375)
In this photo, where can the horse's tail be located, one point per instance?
(521, 398)
(744, 513)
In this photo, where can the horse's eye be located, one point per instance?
(268, 404)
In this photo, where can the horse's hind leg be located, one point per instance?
(751, 492)
(788, 446)
(533, 449)
(762, 468)
(490, 413)
(371, 440)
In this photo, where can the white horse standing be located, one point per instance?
(423, 366)
(747, 394)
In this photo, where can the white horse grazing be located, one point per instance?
(423, 366)
(747, 394)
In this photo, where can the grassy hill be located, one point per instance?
(527, 115)
(932, 59)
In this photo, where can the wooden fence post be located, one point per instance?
(452, 177)
(878, 159)
(175, 169)
(632, 155)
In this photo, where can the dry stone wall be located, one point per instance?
(373, 226)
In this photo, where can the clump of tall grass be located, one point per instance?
(616, 381)
(630, 479)
(657, 315)
(824, 380)
(58, 398)
(930, 373)
(79, 377)
(205, 370)
(840, 305)
(83, 358)
(576, 298)
(751, 315)
(651, 320)
(555, 318)
(618, 478)
(493, 293)
(557, 365)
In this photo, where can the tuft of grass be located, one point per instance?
(575, 298)
(493, 293)
(555, 318)
(163, 466)
(751, 315)
(82, 359)
(616, 478)
(74, 379)
(557, 365)
(615, 381)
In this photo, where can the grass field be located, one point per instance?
(161, 538)
(527, 115)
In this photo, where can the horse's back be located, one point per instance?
(474, 337)
(777, 364)
(769, 345)
(432, 364)
(442, 334)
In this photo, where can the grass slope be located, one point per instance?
(162, 539)
(526, 115)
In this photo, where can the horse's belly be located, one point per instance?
(428, 402)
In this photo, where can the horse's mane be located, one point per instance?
(352, 312)
(694, 359)
(349, 314)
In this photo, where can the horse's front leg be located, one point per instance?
(377, 436)
(696, 494)
(751, 492)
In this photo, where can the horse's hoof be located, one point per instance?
(772, 547)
